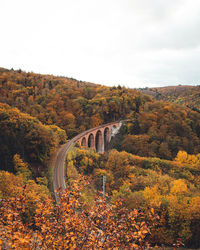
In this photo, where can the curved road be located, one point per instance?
(59, 169)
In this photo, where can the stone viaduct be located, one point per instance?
(98, 138)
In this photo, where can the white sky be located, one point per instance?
(135, 43)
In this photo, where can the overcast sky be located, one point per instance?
(135, 43)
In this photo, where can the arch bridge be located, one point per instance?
(98, 138)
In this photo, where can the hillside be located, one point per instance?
(171, 188)
(183, 95)
(157, 129)
(72, 105)
(25, 135)
(160, 130)
(153, 184)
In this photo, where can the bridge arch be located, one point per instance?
(91, 141)
(106, 138)
(83, 142)
(99, 141)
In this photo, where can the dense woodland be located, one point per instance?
(161, 130)
(25, 135)
(152, 174)
(171, 188)
(29, 219)
(158, 128)
(72, 105)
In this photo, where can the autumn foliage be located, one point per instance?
(171, 188)
(153, 181)
(70, 224)
(158, 129)
(161, 130)
(25, 135)
(185, 95)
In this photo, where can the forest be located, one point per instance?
(170, 188)
(152, 167)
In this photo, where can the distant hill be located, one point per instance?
(181, 94)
